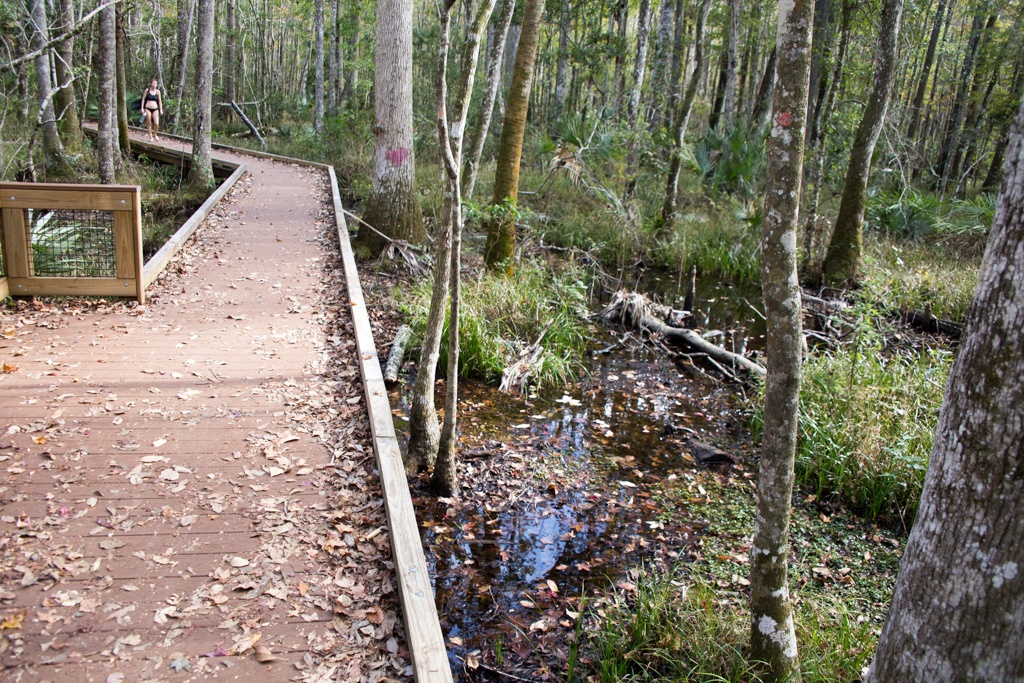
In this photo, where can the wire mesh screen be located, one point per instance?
(72, 243)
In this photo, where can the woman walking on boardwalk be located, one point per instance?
(152, 107)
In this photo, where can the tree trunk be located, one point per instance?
(106, 101)
(842, 263)
(350, 93)
(822, 41)
(333, 52)
(53, 150)
(814, 229)
(318, 72)
(660, 71)
(682, 119)
(729, 106)
(445, 478)
(201, 171)
(229, 53)
(501, 231)
(64, 99)
(495, 58)
(393, 207)
(773, 640)
(719, 102)
(926, 70)
(643, 33)
(763, 103)
(562, 63)
(184, 41)
(957, 612)
(123, 141)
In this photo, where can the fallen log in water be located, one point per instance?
(631, 309)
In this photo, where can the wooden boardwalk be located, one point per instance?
(186, 488)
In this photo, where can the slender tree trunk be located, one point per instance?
(184, 41)
(926, 70)
(773, 639)
(445, 478)
(495, 58)
(951, 140)
(682, 119)
(562, 63)
(660, 71)
(957, 612)
(53, 150)
(729, 106)
(105, 77)
(332, 58)
(842, 263)
(123, 141)
(318, 72)
(393, 207)
(201, 171)
(643, 33)
(815, 230)
(763, 103)
(822, 41)
(230, 68)
(91, 52)
(501, 231)
(351, 92)
(64, 98)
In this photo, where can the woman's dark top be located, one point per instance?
(152, 97)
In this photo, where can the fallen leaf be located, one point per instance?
(238, 562)
(264, 655)
(169, 475)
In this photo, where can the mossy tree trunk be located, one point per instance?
(393, 209)
(681, 119)
(318, 71)
(123, 141)
(66, 104)
(842, 262)
(201, 172)
(957, 613)
(501, 230)
(495, 57)
(772, 636)
(106, 58)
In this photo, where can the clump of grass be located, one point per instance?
(503, 315)
(867, 420)
(913, 274)
(674, 630)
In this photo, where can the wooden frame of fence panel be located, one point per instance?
(124, 201)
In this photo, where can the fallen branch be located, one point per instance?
(631, 309)
(394, 363)
(247, 122)
(924, 321)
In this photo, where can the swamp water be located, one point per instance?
(567, 494)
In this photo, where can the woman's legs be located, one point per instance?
(156, 122)
(149, 122)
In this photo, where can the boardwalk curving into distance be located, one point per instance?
(188, 487)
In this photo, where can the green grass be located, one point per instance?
(935, 275)
(867, 420)
(502, 316)
(676, 629)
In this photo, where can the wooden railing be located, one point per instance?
(76, 240)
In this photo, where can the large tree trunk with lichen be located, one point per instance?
(393, 208)
(957, 613)
(201, 171)
(842, 263)
(772, 636)
(495, 58)
(52, 147)
(501, 231)
(64, 99)
(106, 141)
(681, 119)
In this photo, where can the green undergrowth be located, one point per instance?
(692, 623)
(939, 276)
(504, 317)
(867, 420)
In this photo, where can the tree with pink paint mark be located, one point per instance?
(393, 208)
